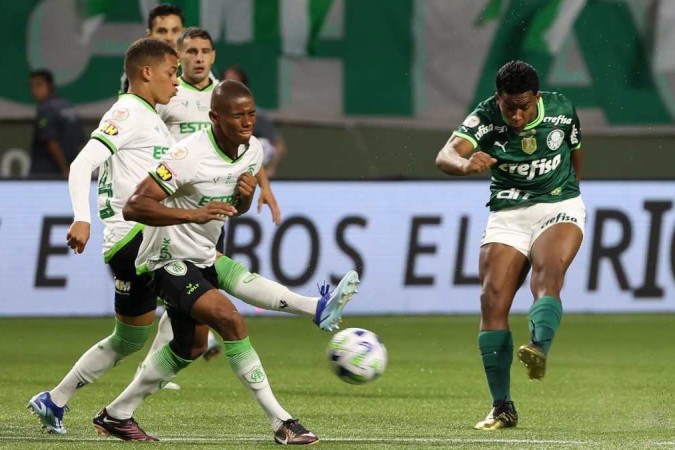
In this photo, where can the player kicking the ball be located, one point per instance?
(183, 209)
(531, 141)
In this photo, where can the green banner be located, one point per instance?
(404, 62)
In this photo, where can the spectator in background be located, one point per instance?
(273, 144)
(58, 134)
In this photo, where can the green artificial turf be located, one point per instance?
(610, 384)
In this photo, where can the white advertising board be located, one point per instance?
(415, 243)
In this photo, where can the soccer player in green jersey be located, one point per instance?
(531, 142)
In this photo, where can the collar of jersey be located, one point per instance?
(187, 85)
(217, 148)
(140, 99)
(540, 115)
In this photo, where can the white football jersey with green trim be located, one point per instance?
(137, 138)
(194, 172)
(188, 111)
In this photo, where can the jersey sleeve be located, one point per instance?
(574, 138)
(117, 128)
(174, 170)
(477, 128)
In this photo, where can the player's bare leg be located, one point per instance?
(502, 269)
(551, 255)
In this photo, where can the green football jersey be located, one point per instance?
(533, 166)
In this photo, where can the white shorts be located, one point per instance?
(519, 227)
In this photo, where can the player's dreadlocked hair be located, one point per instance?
(164, 10)
(143, 52)
(516, 77)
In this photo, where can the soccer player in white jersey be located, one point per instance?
(201, 181)
(130, 138)
(187, 113)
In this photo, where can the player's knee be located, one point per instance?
(547, 281)
(225, 319)
(492, 299)
(128, 339)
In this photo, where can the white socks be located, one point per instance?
(267, 294)
(125, 340)
(159, 368)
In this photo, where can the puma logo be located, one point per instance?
(503, 146)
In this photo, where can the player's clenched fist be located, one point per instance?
(246, 185)
(213, 210)
(78, 235)
(478, 162)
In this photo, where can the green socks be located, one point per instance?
(544, 319)
(496, 349)
(245, 363)
(128, 339)
(229, 272)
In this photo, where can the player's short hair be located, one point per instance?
(164, 10)
(243, 76)
(193, 33)
(45, 74)
(144, 52)
(516, 77)
(228, 89)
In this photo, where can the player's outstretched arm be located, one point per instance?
(452, 159)
(245, 188)
(267, 197)
(144, 207)
(79, 182)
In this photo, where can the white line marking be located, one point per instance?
(230, 439)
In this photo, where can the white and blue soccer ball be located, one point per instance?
(357, 355)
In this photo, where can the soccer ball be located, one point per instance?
(357, 356)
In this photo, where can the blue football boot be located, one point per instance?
(329, 308)
(49, 414)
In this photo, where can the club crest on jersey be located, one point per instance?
(110, 129)
(555, 139)
(178, 153)
(120, 114)
(163, 172)
(529, 145)
(471, 121)
(176, 268)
